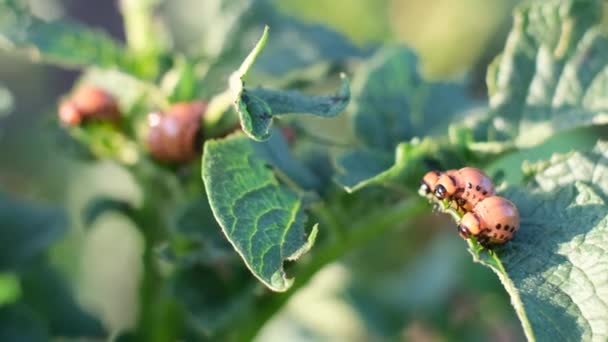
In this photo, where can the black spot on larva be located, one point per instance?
(477, 188)
(506, 227)
(501, 236)
(469, 185)
(498, 226)
(485, 193)
(468, 193)
(512, 229)
(460, 190)
(494, 235)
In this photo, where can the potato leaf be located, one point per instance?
(26, 231)
(263, 219)
(555, 268)
(393, 105)
(360, 168)
(551, 75)
(64, 43)
(258, 106)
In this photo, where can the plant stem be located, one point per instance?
(368, 228)
(157, 313)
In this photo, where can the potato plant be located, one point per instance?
(284, 148)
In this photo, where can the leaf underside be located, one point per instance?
(552, 75)
(555, 268)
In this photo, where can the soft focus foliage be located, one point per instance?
(294, 214)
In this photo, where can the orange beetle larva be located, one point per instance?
(89, 103)
(429, 181)
(493, 220)
(175, 136)
(468, 187)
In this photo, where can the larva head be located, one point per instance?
(427, 185)
(95, 103)
(447, 184)
(469, 225)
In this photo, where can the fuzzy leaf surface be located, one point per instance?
(555, 268)
(552, 75)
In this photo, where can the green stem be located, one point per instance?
(368, 228)
(151, 285)
(139, 26)
(157, 313)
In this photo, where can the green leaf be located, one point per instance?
(224, 29)
(215, 299)
(46, 292)
(551, 76)
(555, 268)
(20, 323)
(360, 168)
(263, 219)
(393, 103)
(181, 83)
(257, 107)
(197, 239)
(276, 152)
(26, 232)
(210, 280)
(104, 141)
(58, 42)
(142, 29)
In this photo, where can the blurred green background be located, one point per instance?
(427, 280)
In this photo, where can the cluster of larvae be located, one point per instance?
(491, 219)
(173, 136)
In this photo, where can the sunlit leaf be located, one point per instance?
(551, 75)
(555, 267)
